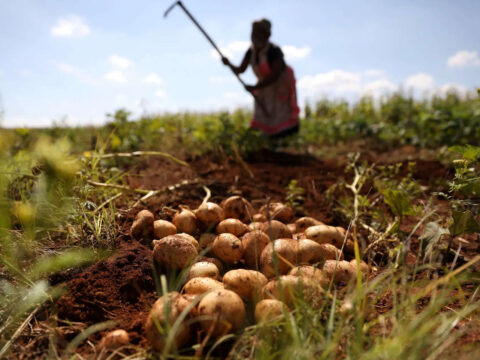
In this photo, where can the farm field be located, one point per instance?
(400, 178)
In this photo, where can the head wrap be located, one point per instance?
(262, 27)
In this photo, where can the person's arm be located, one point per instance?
(243, 66)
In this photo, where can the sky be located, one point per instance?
(72, 62)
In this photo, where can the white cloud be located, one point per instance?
(420, 81)
(374, 72)
(70, 27)
(295, 53)
(232, 50)
(115, 76)
(379, 87)
(76, 72)
(335, 81)
(161, 93)
(447, 88)
(464, 58)
(119, 61)
(153, 78)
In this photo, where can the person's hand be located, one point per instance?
(225, 61)
(250, 88)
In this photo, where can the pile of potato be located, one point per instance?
(233, 255)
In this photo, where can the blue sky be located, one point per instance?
(78, 60)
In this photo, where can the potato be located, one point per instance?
(209, 214)
(213, 260)
(363, 266)
(222, 312)
(276, 230)
(255, 226)
(185, 221)
(330, 252)
(246, 283)
(294, 287)
(206, 242)
(162, 228)
(309, 252)
(199, 285)
(259, 218)
(232, 226)
(305, 222)
(204, 269)
(286, 250)
(114, 339)
(278, 211)
(253, 243)
(292, 227)
(340, 271)
(228, 248)
(269, 309)
(142, 225)
(237, 207)
(324, 234)
(189, 238)
(172, 304)
(310, 272)
(174, 252)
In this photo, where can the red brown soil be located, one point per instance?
(122, 287)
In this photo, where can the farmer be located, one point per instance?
(275, 88)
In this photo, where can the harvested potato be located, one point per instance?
(237, 207)
(162, 228)
(340, 271)
(174, 252)
(253, 244)
(294, 287)
(309, 252)
(278, 211)
(286, 251)
(185, 221)
(324, 234)
(232, 226)
(209, 214)
(113, 340)
(269, 309)
(199, 285)
(228, 248)
(292, 227)
(206, 242)
(305, 222)
(330, 252)
(142, 225)
(222, 311)
(246, 283)
(256, 225)
(276, 230)
(213, 260)
(259, 218)
(172, 304)
(363, 266)
(310, 272)
(189, 238)
(204, 269)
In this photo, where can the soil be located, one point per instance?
(122, 287)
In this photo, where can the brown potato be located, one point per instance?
(309, 252)
(204, 269)
(162, 228)
(114, 340)
(206, 242)
(305, 222)
(363, 266)
(232, 226)
(255, 226)
(276, 230)
(172, 304)
(189, 238)
(209, 214)
(330, 252)
(222, 312)
(246, 283)
(174, 252)
(237, 207)
(259, 218)
(286, 251)
(324, 234)
(311, 272)
(213, 260)
(294, 287)
(199, 285)
(142, 226)
(185, 221)
(341, 271)
(228, 248)
(292, 227)
(269, 309)
(278, 211)
(253, 243)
